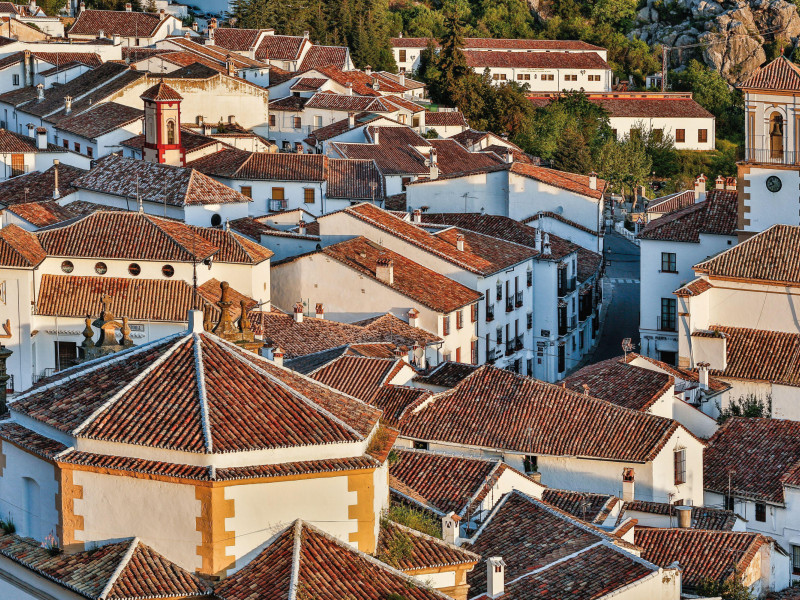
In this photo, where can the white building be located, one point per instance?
(670, 248)
(21, 154)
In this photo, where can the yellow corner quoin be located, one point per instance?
(216, 540)
(68, 521)
(363, 511)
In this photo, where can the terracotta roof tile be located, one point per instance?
(18, 143)
(593, 508)
(694, 288)
(101, 119)
(572, 182)
(642, 108)
(339, 127)
(323, 56)
(447, 375)
(425, 552)
(354, 179)
(347, 103)
(757, 454)
(309, 84)
(501, 44)
(239, 40)
(702, 517)
(472, 414)
(716, 215)
(280, 47)
(499, 253)
(535, 60)
(241, 164)
(542, 214)
(673, 202)
(160, 92)
(396, 400)
(453, 118)
(41, 214)
(217, 55)
(29, 440)
(780, 74)
(769, 256)
(680, 374)
(702, 554)
(111, 22)
(356, 376)
(19, 248)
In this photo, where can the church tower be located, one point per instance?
(162, 126)
(769, 176)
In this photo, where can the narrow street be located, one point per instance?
(622, 317)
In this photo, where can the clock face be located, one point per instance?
(774, 183)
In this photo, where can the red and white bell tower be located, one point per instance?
(162, 126)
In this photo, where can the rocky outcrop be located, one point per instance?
(727, 36)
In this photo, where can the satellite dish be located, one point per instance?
(559, 210)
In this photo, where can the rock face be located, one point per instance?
(728, 36)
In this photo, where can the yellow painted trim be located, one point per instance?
(363, 511)
(216, 540)
(68, 521)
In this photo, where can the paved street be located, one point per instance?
(622, 318)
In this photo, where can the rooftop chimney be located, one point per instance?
(306, 34)
(495, 576)
(301, 227)
(401, 78)
(56, 192)
(700, 188)
(376, 135)
(460, 242)
(547, 250)
(413, 317)
(434, 165)
(702, 374)
(592, 180)
(128, 7)
(101, 34)
(162, 14)
(298, 312)
(196, 321)
(450, 528)
(277, 356)
(417, 216)
(719, 182)
(376, 85)
(351, 119)
(195, 26)
(116, 39)
(510, 156)
(67, 105)
(368, 70)
(628, 477)
(585, 387)
(384, 270)
(537, 243)
(40, 92)
(349, 87)
(41, 138)
(320, 311)
(81, 7)
(684, 516)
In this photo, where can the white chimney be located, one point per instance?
(719, 183)
(31, 127)
(196, 321)
(320, 311)
(702, 374)
(81, 7)
(384, 270)
(401, 79)
(195, 26)
(509, 156)
(547, 251)
(128, 7)
(306, 34)
(67, 105)
(32, 7)
(376, 85)
(116, 39)
(40, 92)
(349, 87)
(684, 516)
(417, 216)
(460, 242)
(101, 34)
(413, 317)
(301, 227)
(162, 14)
(592, 180)
(351, 119)
(277, 356)
(628, 477)
(41, 138)
(298, 312)
(450, 528)
(368, 70)
(376, 133)
(56, 192)
(537, 243)
(700, 188)
(495, 576)
(434, 165)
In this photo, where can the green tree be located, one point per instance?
(732, 588)
(749, 406)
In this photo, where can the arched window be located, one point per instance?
(32, 516)
(170, 132)
(776, 135)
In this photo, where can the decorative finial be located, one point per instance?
(244, 321)
(88, 333)
(126, 333)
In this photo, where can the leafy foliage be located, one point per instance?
(415, 519)
(399, 546)
(731, 589)
(750, 406)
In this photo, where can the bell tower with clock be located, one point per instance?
(769, 175)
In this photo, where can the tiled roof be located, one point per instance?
(702, 517)
(111, 22)
(216, 55)
(190, 141)
(702, 554)
(568, 181)
(550, 535)
(443, 482)
(357, 376)
(680, 374)
(694, 288)
(101, 119)
(716, 215)
(303, 557)
(620, 383)
(90, 59)
(452, 157)
(396, 400)
(126, 570)
(425, 552)
(593, 508)
(241, 164)
(642, 108)
(339, 127)
(361, 83)
(547, 420)
(280, 47)
(546, 214)
(501, 44)
(160, 92)
(760, 355)
(447, 375)
(389, 328)
(535, 60)
(392, 160)
(410, 278)
(780, 74)
(754, 456)
(354, 179)
(239, 40)
(324, 56)
(308, 84)
(452, 118)
(769, 256)
(19, 248)
(155, 182)
(41, 214)
(289, 103)
(180, 393)
(673, 202)
(499, 253)
(18, 143)
(347, 103)
(138, 299)
(29, 440)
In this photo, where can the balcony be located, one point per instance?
(518, 299)
(509, 304)
(770, 157)
(277, 205)
(490, 313)
(668, 324)
(573, 323)
(566, 286)
(518, 344)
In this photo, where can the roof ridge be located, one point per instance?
(156, 222)
(425, 536)
(144, 373)
(201, 392)
(294, 575)
(498, 465)
(126, 558)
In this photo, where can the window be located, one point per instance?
(216, 220)
(570, 78)
(77, 147)
(17, 164)
(562, 358)
(32, 510)
(446, 325)
(420, 445)
(668, 262)
(531, 464)
(66, 353)
(247, 190)
(475, 352)
(729, 502)
(297, 123)
(761, 512)
(499, 336)
(100, 268)
(170, 132)
(499, 290)
(680, 466)
(680, 136)
(277, 193)
(167, 270)
(401, 56)
(67, 266)
(134, 269)
(402, 119)
(473, 313)
(702, 136)
(89, 151)
(796, 560)
(668, 314)
(529, 278)
(594, 77)
(308, 195)
(458, 354)
(499, 76)
(15, 79)
(529, 322)
(524, 77)
(460, 319)
(548, 77)
(272, 120)
(317, 121)
(405, 181)
(529, 367)
(66, 144)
